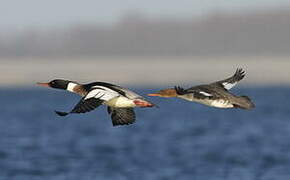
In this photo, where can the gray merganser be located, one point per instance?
(120, 101)
(215, 94)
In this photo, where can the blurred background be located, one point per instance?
(146, 46)
(151, 42)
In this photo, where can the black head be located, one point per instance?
(56, 83)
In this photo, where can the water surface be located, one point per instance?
(179, 140)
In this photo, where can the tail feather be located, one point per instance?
(246, 97)
(244, 102)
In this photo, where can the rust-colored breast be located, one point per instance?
(80, 90)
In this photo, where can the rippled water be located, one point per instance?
(179, 140)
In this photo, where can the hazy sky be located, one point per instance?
(18, 14)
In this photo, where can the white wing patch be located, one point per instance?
(204, 93)
(228, 86)
(102, 94)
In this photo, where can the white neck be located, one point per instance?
(71, 86)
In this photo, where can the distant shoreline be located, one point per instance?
(153, 71)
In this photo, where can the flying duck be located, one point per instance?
(120, 101)
(215, 94)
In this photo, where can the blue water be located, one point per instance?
(179, 140)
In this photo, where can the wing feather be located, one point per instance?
(231, 81)
(197, 92)
(122, 116)
(92, 100)
(102, 93)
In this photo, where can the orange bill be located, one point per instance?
(43, 84)
(154, 94)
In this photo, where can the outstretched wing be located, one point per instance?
(122, 116)
(232, 81)
(92, 100)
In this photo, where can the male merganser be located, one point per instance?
(120, 101)
(215, 94)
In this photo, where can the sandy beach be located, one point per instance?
(154, 71)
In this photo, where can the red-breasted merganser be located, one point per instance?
(215, 94)
(120, 101)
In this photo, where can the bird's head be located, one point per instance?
(56, 83)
